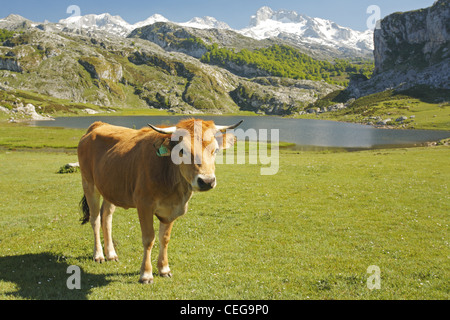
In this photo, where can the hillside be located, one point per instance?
(285, 62)
(112, 72)
(249, 58)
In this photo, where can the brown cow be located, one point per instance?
(142, 169)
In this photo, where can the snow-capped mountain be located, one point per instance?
(151, 20)
(119, 27)
(206, 23)
(293, 26)
(102, 22)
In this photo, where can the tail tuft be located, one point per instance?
(85, 209)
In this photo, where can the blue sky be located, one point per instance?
(348, 13)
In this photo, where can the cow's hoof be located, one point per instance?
(146, 281)
(166, 275)
(164, 272)
(115, 258)
(99, 259)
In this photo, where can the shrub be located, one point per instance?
(68, 169)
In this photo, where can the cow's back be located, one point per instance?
(109, 157)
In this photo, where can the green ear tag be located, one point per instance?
(162, 151)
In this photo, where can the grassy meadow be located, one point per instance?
(309, 232)
(425, 108)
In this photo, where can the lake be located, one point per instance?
(303, 132)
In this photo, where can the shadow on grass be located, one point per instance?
(425, 94)
(44, 277)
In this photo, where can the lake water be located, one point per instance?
(302, 132)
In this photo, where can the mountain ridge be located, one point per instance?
(297, 29)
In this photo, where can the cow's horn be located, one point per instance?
(224, 128)
(163, 130)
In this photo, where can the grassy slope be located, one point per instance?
(419, 102)
(311, 231)
(428, 116)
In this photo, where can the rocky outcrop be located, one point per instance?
(27, 112)
(10, 64)
(411, 48)
(101, 69)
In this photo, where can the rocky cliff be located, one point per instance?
(411, 48)
(417, 38)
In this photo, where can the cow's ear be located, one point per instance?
(163, 147)
(226, 140)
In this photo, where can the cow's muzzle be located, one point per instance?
(205, 183)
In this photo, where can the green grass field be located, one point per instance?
(309, 232)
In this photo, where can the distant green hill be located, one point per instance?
(287, 62)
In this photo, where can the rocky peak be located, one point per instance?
(262, 14)
(283, 16)
(15, 18)
(150, 20)
(14, 22)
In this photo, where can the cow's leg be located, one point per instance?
(93, 200)
(164, 237)
(148, 240)
(107, 215)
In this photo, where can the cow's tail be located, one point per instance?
(85, 209)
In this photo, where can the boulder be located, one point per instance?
(90, 111)
(29, 112)
(402, 118)
(384, 122)
(5, 110)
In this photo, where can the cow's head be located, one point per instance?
(193, 144)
